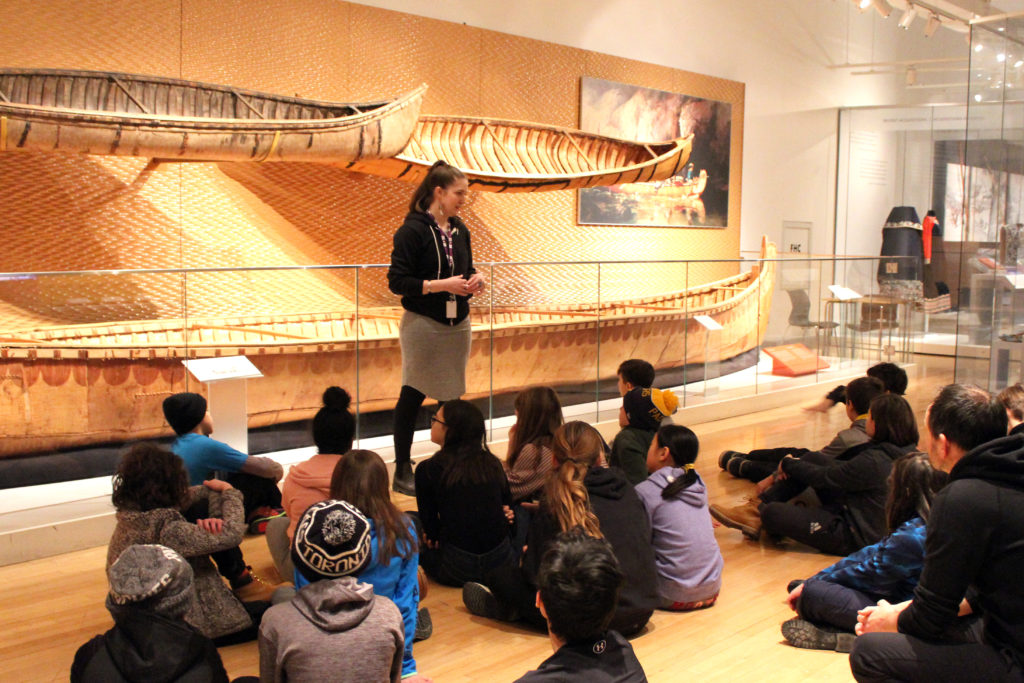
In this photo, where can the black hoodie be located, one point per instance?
(626, 526)
(976, 539)
(855, 485)
(418, 254)
(145, 647)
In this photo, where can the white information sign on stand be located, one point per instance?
(844, 293)
(225, 383)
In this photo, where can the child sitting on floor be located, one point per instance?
(686, 553)
(335, 628)
(827, 603)
(150, 592)
(761, 463)
(640, 417)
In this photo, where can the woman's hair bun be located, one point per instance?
(336, 397)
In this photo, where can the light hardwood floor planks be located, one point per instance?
(49, 607)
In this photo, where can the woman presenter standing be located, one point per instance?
(432, 270)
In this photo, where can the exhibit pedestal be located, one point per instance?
(225, 380)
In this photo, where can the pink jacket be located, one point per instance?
(307, 483)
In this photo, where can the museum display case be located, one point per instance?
(93, 354)
(986, 187)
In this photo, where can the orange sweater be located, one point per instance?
(307, 483)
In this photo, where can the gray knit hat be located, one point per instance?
(331, 540)
(153, 577)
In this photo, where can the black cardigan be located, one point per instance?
(418, 255)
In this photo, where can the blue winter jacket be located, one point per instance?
(888, 569)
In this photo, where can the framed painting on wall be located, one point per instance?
(698, 196)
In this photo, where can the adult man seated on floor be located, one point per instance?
(761, 464)
(578, 590)
(256, 477)
(975, 541)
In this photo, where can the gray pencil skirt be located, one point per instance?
(434, 355)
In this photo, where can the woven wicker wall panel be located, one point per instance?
(393, 52)
(530, 80)
(279, 47)
(140, 36)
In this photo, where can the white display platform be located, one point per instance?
(50, 519)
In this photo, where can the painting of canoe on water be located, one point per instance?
(697, 196)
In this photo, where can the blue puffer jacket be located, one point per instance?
(888, 569)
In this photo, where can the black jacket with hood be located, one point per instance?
(855, 485)
(976, 540)
(418, 254)
(146, 647)
(626, 526)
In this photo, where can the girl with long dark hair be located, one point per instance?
(538, 416)
(432, 270)
(463, 499)
(686, 553)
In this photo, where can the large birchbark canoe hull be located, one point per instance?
(515, 156)
(109, 113)
(74, 386)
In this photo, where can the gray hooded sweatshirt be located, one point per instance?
(335, 630)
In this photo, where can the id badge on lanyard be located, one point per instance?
(450, 307)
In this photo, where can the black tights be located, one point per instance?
(406, 410)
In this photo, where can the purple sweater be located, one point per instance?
(686, 553)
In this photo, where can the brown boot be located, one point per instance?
(744, 517)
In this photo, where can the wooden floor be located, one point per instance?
(49, 607)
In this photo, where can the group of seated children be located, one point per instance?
(557, 540)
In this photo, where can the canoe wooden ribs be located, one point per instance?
(98, 112)
(74, 385)
(515, 156)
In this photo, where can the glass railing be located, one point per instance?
(90, 356)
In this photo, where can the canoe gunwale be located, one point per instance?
(199, 85)
(682, 144)
(191, 124)
(569, 318)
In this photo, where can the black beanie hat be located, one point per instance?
(331, 540)
(184, 411)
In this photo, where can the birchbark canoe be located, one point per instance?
(516, 156)
(101, 112)
(77, 385)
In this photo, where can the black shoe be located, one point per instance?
(735, 466)
(791, 586)
(726, 456)
(403, 481)
(804, 634)
(479, 600)
(424, 625)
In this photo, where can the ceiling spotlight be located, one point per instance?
(1000, 57)
(883, 8)
(908, 17)
(932, 26)
(1018, 64)
(864, 4)
(979, 47)
(977, 98)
